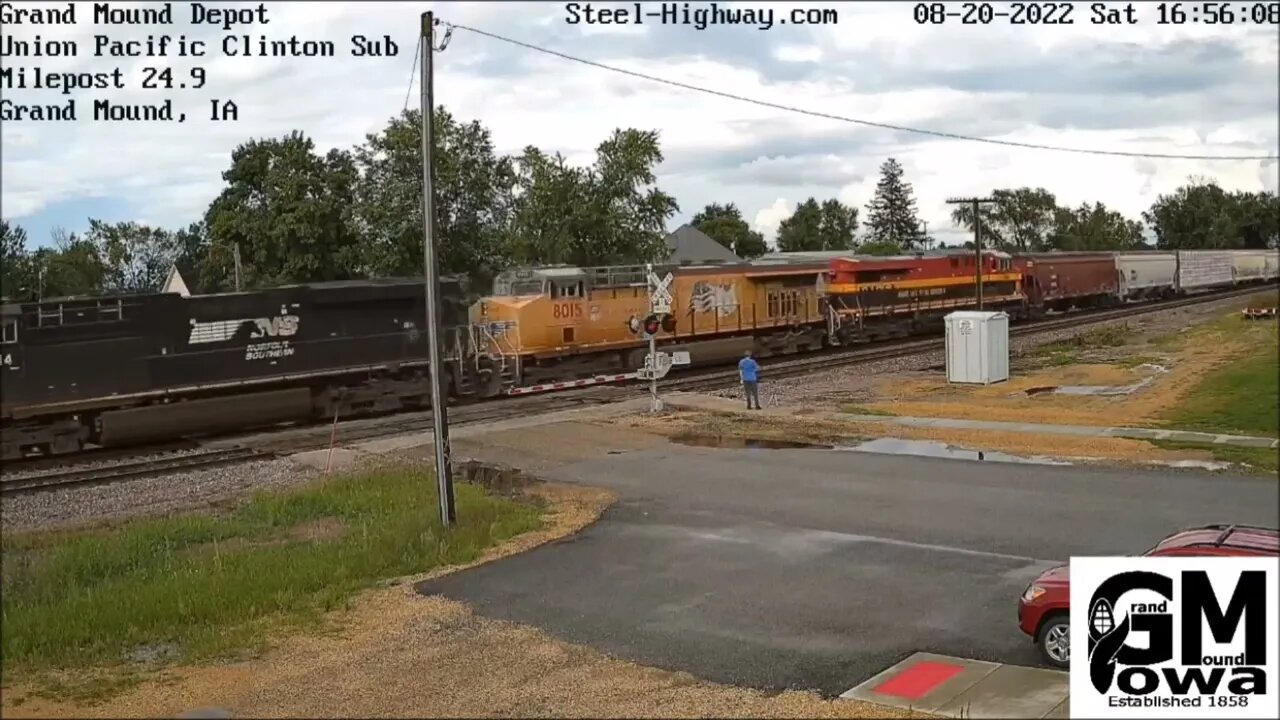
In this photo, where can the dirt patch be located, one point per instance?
(824, 430)
(1058, 446)
(544, 447)
(1183, 359)
(318, 530)
(401, 654)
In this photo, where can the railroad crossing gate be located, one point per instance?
(659, 293)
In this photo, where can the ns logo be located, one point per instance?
(282, 326)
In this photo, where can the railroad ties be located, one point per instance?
(129, 470)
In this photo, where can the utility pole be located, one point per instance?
(431, 277)
(235, 252)
(977, 237)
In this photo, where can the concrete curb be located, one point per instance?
(960, 687)
(1186, 436)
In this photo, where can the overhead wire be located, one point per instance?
(856, 121)
(413, 71)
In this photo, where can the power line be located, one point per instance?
(841, 118)
(411, 73)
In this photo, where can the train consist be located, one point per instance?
(147, 368)
(565, 321)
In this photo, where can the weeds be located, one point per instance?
(199, 585)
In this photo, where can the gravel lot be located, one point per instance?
(857, 383)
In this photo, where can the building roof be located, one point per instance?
(688, 244)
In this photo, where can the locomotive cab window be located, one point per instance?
(9, 333)
(567, 290)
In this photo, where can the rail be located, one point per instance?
(129, 470)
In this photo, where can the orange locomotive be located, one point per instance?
(559, 323)
(564, 322)
(878, 297)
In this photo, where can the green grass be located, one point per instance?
(199, 585)
(1067, 351)
(1242, 397)
(1263, 461)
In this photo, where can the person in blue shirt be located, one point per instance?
(749, 371)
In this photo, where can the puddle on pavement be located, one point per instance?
(932, 448)
(721, 441)
(1198, 464)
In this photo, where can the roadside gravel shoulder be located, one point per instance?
(401, 654)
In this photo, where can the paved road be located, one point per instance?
(816, 569)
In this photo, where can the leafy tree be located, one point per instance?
(879, 248)
(1094, 227)
(1196, 215)
(813, 227)
(725, 225)
(1020, 220)
(1257, 219)
(71, 267)
(1201, 214)
(15, 263)
(891, 214)
(608, 213)
(550, 223)
(473, 199)
(838, 225)
(190, 248)
(289, 210)
(135, 257)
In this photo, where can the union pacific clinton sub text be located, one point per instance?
(697, 15)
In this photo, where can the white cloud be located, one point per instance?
(1026, 84)
(768, 219)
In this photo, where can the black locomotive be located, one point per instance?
(142, 368)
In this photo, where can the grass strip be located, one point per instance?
(200, 584)
(1242, 397)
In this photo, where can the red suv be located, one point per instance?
(1044, 605)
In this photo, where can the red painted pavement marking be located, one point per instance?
(919, 680)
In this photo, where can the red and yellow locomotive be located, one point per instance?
(870, 298)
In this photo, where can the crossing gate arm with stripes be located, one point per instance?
(550, 387)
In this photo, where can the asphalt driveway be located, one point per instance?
(815, 569)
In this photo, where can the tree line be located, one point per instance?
(292, 215)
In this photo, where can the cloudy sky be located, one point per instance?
(1198, 90)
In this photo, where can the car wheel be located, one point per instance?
(1055, 641)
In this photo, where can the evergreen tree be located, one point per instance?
(891, 214)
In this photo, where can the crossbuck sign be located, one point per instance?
(659, 294)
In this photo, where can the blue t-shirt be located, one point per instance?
(749, 369)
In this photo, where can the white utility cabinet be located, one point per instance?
(977, 347)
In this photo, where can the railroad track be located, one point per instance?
(828, 360)
(317, 438)
(129, 470)
(242, 448)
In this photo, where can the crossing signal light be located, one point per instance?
(669, 323)
(652, 324)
